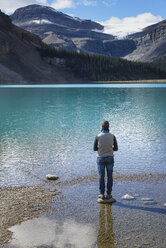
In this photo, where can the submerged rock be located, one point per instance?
(150, 203)
(146, 199)
(51, 177)
(128, 197)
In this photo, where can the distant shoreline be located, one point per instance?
(132, 81)
(149, 81)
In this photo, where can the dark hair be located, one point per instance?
(105, 125)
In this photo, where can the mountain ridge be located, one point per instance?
(65, 32)
(20, 60)
(25, 59)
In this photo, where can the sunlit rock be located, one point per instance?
(51, 177)
(128, 197)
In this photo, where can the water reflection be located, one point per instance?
(105, 235)
(44, 232)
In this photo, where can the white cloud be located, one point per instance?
(86, 3)
(9, 6)
(62, 4)
(110, 2)
(122, 27)
(42, 1)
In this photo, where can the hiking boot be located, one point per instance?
(109, 196)
(100, 198)
(110, 199)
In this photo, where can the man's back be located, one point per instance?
(105, 144)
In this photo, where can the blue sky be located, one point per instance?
(104, 9)
(118, 16)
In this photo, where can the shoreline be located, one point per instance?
(72, 211)
(117, 177)
(150, 81)
(22, 203)
(87, 82)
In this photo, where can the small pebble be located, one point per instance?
(128, 197)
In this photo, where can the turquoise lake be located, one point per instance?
(51, 129)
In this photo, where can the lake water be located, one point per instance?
(51, 129)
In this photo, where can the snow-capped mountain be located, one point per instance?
(66, 32)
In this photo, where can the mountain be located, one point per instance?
(20, 60)
(65, 32)
(150, 43)
(25, 59)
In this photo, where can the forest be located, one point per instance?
(103, 68)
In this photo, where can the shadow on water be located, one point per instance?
(149, 209)
(105, 237)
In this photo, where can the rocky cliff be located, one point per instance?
(150, 43)
(20, 60)
(65, 32)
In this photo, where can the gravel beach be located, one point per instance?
(22, 203)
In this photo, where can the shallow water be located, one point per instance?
(79, 221)
(51, 130)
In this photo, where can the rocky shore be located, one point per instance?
(23, 203)
(19, 204)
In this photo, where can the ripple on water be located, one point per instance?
(51, 130)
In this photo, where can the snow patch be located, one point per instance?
(41, 21)
(98, 30)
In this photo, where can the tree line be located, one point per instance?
(103, 68)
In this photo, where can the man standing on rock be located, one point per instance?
(105, 144)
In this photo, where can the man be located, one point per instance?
(105, 144)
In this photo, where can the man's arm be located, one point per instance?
(95, 146)
(115, 148)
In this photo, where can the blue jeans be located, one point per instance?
(105, 163)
